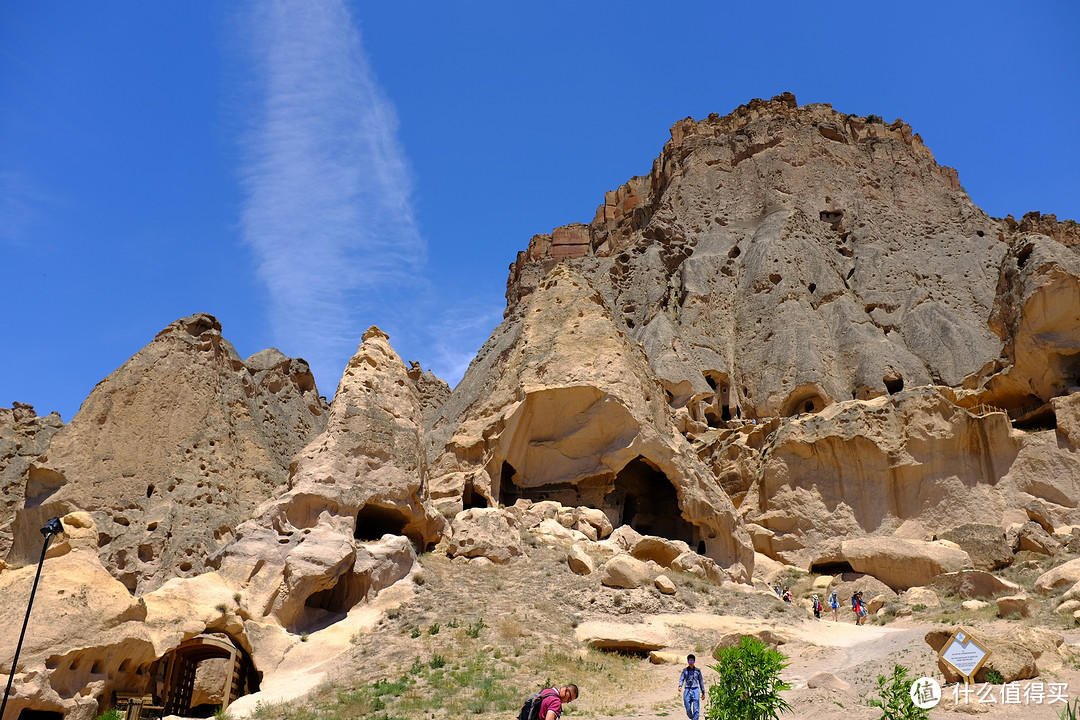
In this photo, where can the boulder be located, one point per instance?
(664, 657)
(1017, 606)
(579, 561)
(970, 584)
(691, 562)
(489, 532)
(1038, 512)
(978, 604)
(772, 638)
(660, 550)
(1068, 607)
(664, 584)
(985, 544)
(1009, 658)
(1033, 538)
(901, 564)
(622, 638)
(1066, 574)
(920, 596)
(827, 681)
(624, 571)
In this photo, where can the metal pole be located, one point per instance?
(51, 528)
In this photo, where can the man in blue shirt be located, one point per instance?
(692, 686)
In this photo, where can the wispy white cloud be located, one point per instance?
(327, 184)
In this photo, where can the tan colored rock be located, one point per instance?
(368, 466)
(1068, 607)
(664, 657)
(823, 581)
(664, 584)
(619, 637)
(975, 584)
(691, 562)
(579, 561)
(623, 571)
(586, 421)
(1017, 605)
(1033, 538)
(974, 604)
(920, 596)
(23, 438)
(902, 564)
(772, 638)
(827, 681)
(1066, 574)
(172, 451)
(485, 532)
(660, 550)
(984, 543)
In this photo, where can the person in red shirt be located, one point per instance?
(551, 707)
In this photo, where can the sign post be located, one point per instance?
(964, 654)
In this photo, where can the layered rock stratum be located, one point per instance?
(795, 342)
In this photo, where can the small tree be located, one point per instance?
(749, 684)
(895, 702)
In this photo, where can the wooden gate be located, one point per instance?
(184, 661)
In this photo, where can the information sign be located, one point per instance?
(964, 653)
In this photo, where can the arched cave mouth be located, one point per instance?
(326, 607)
(374, 521)
(804, 400)
(31, 714)
(832, 568)
(197, 678)
(646, 500)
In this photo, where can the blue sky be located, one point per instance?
(304, 169)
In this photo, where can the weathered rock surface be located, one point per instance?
(902, 564)
(172, 451)
(984, 543)
(562, 404)
(970, 584)
(23, 437)
(617, 637)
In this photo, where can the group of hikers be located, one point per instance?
(858, 605)
(547, 704)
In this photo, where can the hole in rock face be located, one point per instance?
(808, 406)
(509, 492)
(893, 384)
(645, 499)
(31, 714)
(373, 521)
(831, 568)
(472, 499)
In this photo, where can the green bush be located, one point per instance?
(895, 702)
(749, 685)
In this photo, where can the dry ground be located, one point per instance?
(469, 640)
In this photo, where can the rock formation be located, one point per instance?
(795, 342)
(171, 452)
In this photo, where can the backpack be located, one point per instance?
(531, 709)
(854, 602)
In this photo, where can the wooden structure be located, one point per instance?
(181, 666)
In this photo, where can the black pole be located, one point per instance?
(53, 527)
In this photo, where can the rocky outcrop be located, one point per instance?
(336, 535)
(562, 404)
(172, 451)
(23, 438)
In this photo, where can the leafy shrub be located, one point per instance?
(749, 685)
(994, 677)
(874, 119)
(474, 629)
(433, 629)
(895, 701)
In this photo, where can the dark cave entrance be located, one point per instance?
(645, 499)
(509, 492)
(472, 499)
(182, 691)
(838, 567)
(373, 521)
(326, 607)
(29, 714)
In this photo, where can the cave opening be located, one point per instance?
(645, 499)
(893, 384)
(31, 714)
(470, 498)
(200, 678)
(509, 492)
(374, 521)
(838, 567)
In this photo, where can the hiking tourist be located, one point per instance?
(692, 685)
(834, 603)
(817, 607)
(547, 704)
